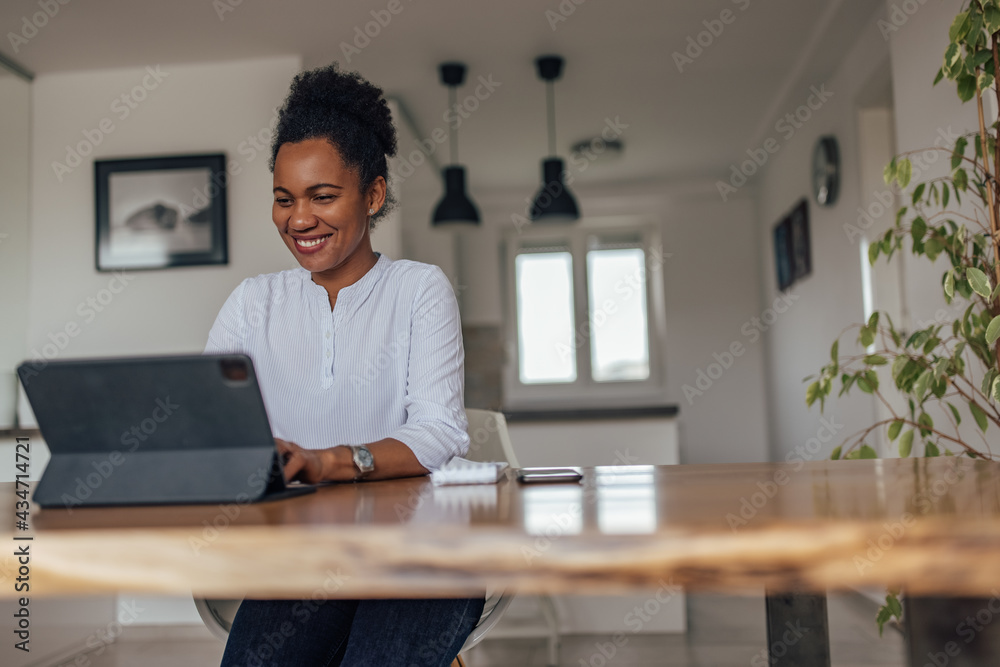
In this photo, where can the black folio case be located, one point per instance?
(153, 430)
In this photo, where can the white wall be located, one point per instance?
(829, 299)
(192, 109)
(711, 291)
(15, 126)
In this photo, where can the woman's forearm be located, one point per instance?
(392, 459)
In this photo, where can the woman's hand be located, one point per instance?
(336, 464)
(310, 466)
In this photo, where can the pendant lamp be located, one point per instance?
(554, 202)
(455, 207)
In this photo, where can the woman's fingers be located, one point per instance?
(306, 465)
(291, 458)
(293, 465)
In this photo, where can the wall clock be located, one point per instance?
(826, 171)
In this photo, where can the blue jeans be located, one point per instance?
(354, 633)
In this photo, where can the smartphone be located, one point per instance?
(548, 475)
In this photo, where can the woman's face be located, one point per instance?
(319, 208)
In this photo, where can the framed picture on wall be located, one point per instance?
(783, 254)
(801, 251)
(160, 212)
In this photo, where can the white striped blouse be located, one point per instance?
(386, 362)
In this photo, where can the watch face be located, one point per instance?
(365, 458)
(826, 171)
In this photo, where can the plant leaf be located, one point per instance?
(949, 286)
(904, 169)
(906, 444)
(898, 364)
(835, 454)
(923, 383)
(812, 393)
(958, 153)
(952, 65)
(889, 173)
(954, 412)
(959, 27)
(995, 293)
(978, 58)
(993, 330)
(978, 415)
(926, 423)
(872, 378)
(875, 360)
(966, 87)
(991, 16)
(979, 282)
(867, 453)
(930, 450)
(960, 179)
(894, 429)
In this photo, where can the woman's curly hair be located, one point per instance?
(347, 111)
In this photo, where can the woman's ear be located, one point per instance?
(376, 194)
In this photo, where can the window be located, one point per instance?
(584, 302)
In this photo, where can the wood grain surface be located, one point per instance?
(931, 525)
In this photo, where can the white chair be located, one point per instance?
(488, 441)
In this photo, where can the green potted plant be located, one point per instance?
(952, 364)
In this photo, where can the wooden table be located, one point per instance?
(931, 526)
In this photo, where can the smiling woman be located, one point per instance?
(314, 333)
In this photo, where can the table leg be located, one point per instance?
(797, 630)
(957, 632)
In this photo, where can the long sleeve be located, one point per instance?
(227, 334)
(436, 425)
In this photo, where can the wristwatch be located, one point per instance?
(363, 461)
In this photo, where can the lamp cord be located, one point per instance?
(452, 133)
(551, 104)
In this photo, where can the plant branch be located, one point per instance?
(921, 427)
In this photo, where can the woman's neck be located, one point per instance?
(348, 273)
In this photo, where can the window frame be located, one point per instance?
(585, 391)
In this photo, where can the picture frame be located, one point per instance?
(792, 248)
(160, 212)
(783, 254)
(800, 243)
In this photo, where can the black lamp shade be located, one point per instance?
(554, 202)
(455, 207)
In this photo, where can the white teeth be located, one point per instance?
(310, 244)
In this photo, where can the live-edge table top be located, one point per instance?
(931, 525)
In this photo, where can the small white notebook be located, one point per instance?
(462, 471)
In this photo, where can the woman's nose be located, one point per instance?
(301, 217)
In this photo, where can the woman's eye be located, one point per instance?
(324, 197)
(282, 201)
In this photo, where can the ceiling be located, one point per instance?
(682, 125)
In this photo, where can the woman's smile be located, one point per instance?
(310, 244)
